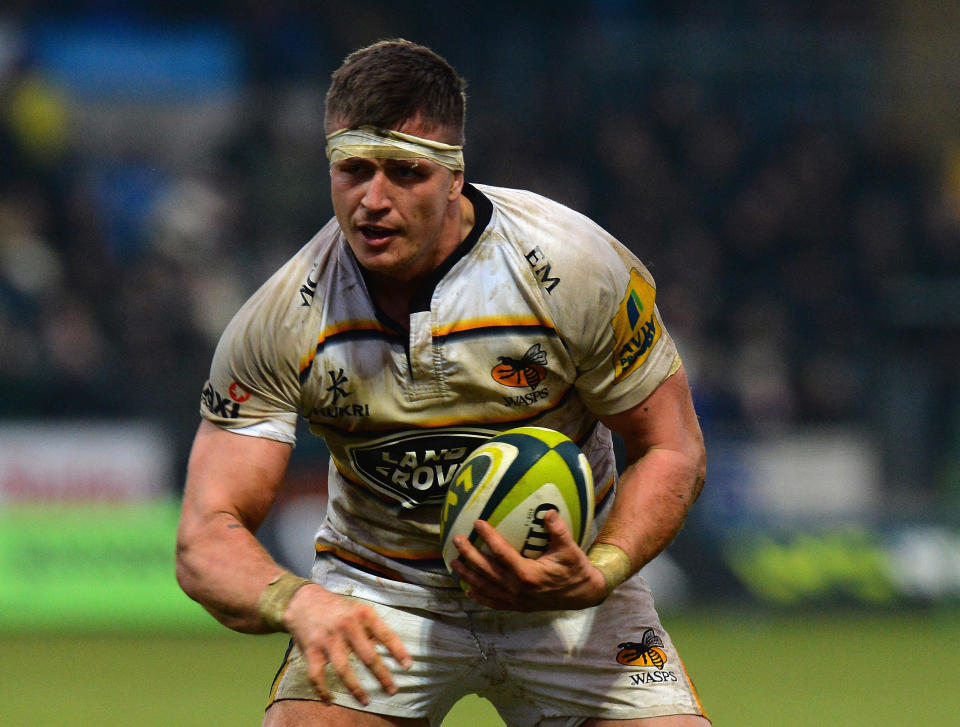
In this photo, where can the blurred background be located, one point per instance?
(789, 171)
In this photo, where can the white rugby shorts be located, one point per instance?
(556, 669)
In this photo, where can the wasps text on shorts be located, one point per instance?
(647, 652)
(528, 370)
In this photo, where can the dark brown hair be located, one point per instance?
(391, 81)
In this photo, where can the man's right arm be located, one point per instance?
(232, 481)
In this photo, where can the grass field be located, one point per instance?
(752, 668)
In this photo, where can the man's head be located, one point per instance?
(393, 81)
(394, 124)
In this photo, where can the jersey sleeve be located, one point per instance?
(612, 325)
(254, 383)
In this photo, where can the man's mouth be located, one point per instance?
(374, 233)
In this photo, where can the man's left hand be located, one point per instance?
(561, 579)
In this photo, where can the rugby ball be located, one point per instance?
(511, 481)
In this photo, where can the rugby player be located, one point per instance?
(427, 316)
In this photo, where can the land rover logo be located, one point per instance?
(415, 467)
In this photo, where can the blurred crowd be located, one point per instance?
(807, 261)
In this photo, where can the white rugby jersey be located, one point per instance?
(538, 318)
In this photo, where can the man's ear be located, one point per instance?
(456, 186)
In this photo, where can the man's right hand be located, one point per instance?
(232, 481)
(328, 627)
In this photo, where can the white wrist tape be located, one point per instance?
(276, 597)
(613, 562)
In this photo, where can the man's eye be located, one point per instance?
(352, 168)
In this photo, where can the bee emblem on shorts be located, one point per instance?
(647, 652)
(528, 370)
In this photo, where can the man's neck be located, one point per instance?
(393, 295)
(468, 217)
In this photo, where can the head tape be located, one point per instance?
(369, 142)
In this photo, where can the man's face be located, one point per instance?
(398, 215)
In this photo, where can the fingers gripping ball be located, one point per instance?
(511, 481)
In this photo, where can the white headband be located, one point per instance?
(369, 142)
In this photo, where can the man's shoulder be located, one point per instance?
(284, 303)
(298, 278)
(525, 201)
(541, 226)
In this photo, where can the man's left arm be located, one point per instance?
(664, 475)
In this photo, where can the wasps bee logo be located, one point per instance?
(528, 370)
(648, 652)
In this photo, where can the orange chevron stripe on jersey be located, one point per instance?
(603, 491)
(488, 322)
(341, 328)
(368, 565)
(505, 421)
(396, 554)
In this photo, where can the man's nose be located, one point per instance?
(376, 196)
